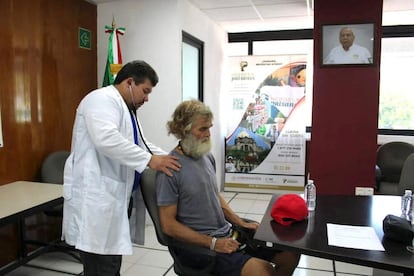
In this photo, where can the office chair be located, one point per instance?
(52, 167)
(390, 160)
(52, 172)
(148, 189)
(407, 176)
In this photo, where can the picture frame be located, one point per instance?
(348, 44)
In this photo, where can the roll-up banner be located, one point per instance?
(265, 143)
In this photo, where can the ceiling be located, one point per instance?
(255, 15)
(262, 15)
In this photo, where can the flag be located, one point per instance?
(114, 60)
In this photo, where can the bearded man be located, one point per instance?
(192, 210)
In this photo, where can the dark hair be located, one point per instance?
(139, 70)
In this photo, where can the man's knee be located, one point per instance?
(257, 267)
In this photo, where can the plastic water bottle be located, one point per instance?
(407, 204)
(310, 195)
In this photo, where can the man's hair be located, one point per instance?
(346, 29)
(185, 115)
(139, 70)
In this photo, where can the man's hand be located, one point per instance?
(226, 245)
(250, 225)
(164, 163)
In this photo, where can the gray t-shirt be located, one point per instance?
(194, 190)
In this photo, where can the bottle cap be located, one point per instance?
(408, 192)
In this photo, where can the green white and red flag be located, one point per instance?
(114, 60)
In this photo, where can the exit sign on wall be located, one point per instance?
(84, 38)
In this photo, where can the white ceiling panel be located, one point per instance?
(283, 10)
(275, 2)
(262, 15)
(218, 4)
(232, 14)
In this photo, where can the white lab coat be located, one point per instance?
(99, 175)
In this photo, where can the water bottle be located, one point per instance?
(410, 247)
(310, 195)
(407, 204)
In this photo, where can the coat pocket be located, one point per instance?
(114, 188)
(68, 178)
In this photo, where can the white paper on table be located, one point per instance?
(358, 237)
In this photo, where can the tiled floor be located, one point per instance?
(154, 259)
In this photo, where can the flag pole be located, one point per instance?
(114, 58)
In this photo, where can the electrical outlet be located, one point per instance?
(364, 191)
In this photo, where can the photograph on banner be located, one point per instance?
(265, 145)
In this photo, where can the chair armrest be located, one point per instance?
(192, 248)
(249, 220)
(195, 250)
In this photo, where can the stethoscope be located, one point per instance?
(135, 123)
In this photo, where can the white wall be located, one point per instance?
(153, 34)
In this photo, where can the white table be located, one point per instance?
(22, 196)
(310, 236)
(21, 199)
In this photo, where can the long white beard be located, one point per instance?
(195, 148)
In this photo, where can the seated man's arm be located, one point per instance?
(232, 217)
(179, 231)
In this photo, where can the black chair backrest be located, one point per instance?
(407, 175)
(52, 167)
(149, 195)
(391, 157)
(148, 189)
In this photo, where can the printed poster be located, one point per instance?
(265, 143)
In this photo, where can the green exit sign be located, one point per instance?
(85, 38)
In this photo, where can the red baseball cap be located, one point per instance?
(289, 208)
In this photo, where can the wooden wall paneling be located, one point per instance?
(5, 77)
(45, 76)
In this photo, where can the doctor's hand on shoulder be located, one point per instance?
(164, 163)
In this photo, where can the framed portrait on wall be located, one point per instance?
(348, 44)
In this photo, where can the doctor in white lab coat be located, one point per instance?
(107, 148)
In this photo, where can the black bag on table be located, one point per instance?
(397, 229)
